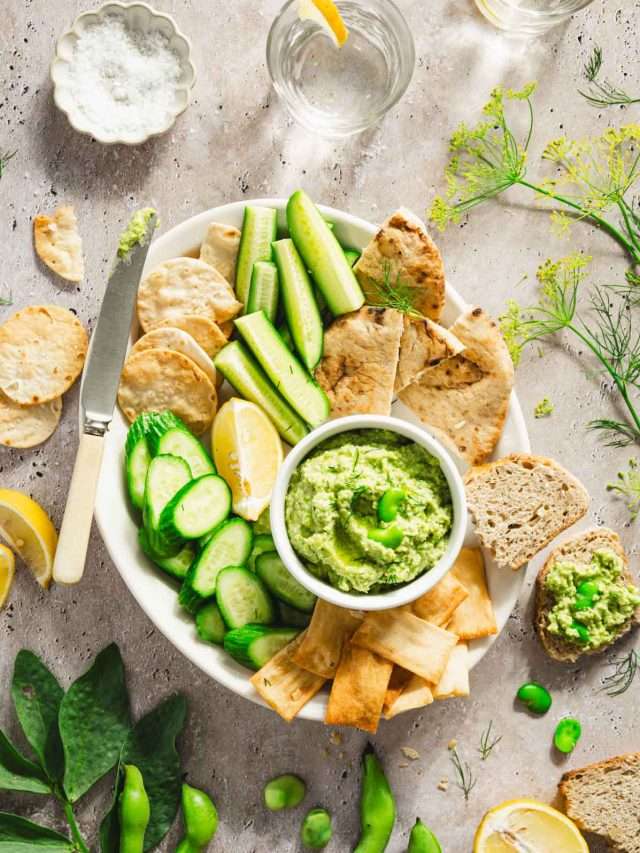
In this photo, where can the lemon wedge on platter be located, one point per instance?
(247, 452)
(519, 825)
(28, 531)
(327, 15)
(7, 571)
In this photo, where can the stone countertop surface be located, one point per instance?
(236, 141)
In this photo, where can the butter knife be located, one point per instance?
(98, 393)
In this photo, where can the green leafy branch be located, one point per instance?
(606, 329)
(603, 93)
(593, 176)
(78, 737)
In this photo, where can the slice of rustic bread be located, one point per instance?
(579, 549)
(520, 503)
(604, 799)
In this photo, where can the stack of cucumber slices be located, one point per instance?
(233, 582)
(287, 286)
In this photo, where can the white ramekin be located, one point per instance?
(137, 16)
(399, 595)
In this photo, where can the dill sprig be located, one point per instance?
(391, 291)
(465, 779)
(625, 669)
(606, 329)
(4, 159)
(595, 174)
(603, 93)
(488, 741)
(628, 487)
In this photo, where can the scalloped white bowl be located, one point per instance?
(139, 17)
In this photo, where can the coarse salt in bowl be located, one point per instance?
(396, 596)
(123, 73)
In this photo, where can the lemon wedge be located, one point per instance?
(7, 571)
(28, 530)
(248, 453)
(527, 825)
(326, 14)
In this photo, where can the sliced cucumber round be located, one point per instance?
(178, 441)
(254, 645)
(262, 543)
(177, 566)
(281, 583)
(198, 508)
(209, 624)
(165, 477)
(243, 598)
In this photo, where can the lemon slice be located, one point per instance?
(248, 453)
(7, 571)
(326, 14)
(519, 825)
(27, 528)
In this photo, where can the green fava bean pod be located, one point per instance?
(536, 697)
(422, 840)
(134, 811)
(567, 735)
(377, 806)
(284, 792)
(200, 820)
(316, 830)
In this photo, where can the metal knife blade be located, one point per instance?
(108, 345)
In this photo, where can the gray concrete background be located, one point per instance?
(236, 140)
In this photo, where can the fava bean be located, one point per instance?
(377, 806)
(316, 829)
(567, 734)
(588, 589)
(422, 840)
(134, 811)
(582, 631)
(284, 792)
(535, 697)
(390, 537)
(390, 503)
(200, 820)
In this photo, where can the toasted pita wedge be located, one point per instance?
(220, 248)
(284, 685)
(474, 618)
(465, 398)
(358, 690)
(455, 679)
(320, 649)
(424, 344)
(399, 679)
(403, 253)
(416, 694)
(359, 364)
(58, 243)
(438, 605)
(412, 643)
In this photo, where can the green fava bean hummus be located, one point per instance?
(610, 607)
(135, 231)
(332, 506)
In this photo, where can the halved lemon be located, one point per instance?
(28, 530)
(527, 825)
(7, 571)
(248, 453)
(327, 14)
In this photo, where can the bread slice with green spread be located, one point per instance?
(520, 503)
(612, 613)
(604, 799)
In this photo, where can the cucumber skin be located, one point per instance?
(237, 642)
(203, 630)
(157, 541)
(244, 265)
(135, 496)
(252, 579)
(323, 255)
(296, 291)
(290, 426)
(262, 542)
(159, 423)
(167, 526)
(208, 462)
(163, 563)
(262, 571)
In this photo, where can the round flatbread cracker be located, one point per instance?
(157, 379)
(178, 341)
(203, 330)
(42, 351)
(26, 426)
(185, 286)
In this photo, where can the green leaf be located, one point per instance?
(151, 746)
(17, 773)
(94, 722)
(18, 835)
(37, 696)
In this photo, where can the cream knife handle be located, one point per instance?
(71, 553)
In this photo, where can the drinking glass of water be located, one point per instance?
(337, 91)
(529, 17)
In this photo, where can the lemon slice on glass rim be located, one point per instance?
(28, 530)
(327, 15)
(529, 825)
